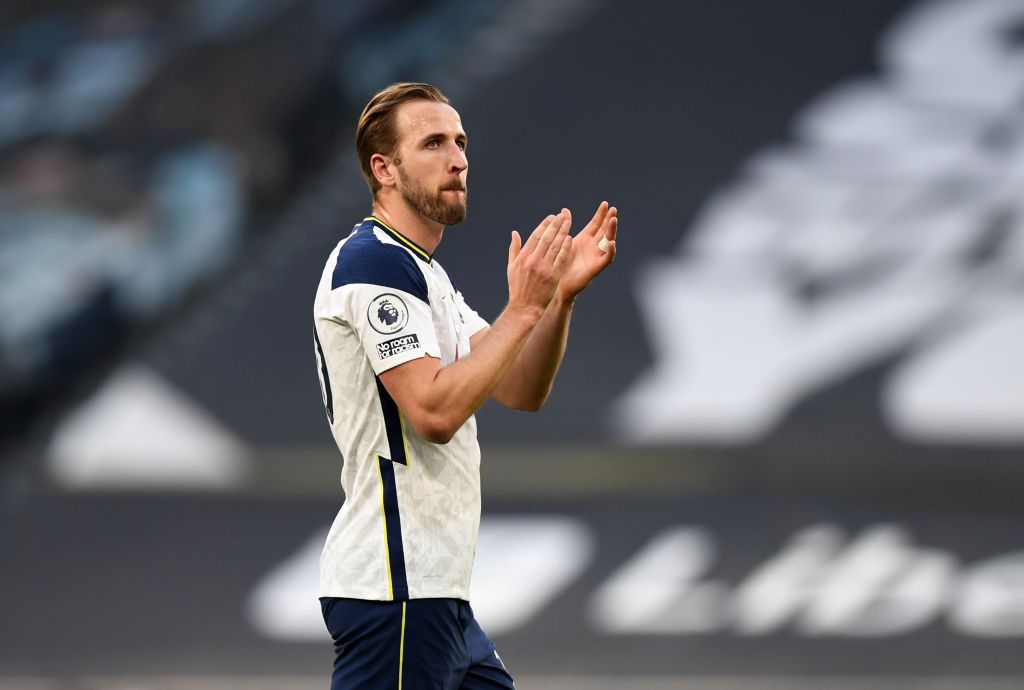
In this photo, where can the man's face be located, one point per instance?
(431, 160)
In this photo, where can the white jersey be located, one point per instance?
(408, 526)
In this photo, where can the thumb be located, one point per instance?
(515, 246)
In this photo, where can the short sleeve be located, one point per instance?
(381, 292)
(393, 325)
(474, 322)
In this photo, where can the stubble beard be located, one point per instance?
(434, 206)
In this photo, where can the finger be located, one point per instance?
(610, 212)
(531, 242)
(564, 251)
(607, 240)
(537, 233)
(561, 232)
(611, 227)
(599, 217)
(515, 246)
(550, 230)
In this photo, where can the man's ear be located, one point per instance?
(383, 169)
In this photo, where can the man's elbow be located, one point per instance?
(528, 404)
(520, 395)
(436, 428)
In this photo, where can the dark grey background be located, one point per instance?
(652, 106)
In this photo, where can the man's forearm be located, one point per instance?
(438, 400)
(462, 387)
(528, 382)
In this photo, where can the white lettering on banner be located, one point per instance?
(773, 594)
(877, 585)
(658, 590)
(880, 585)
(894, 223)
(991, 601)
(522, 563)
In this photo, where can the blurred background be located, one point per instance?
(785, 449)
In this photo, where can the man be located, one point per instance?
(404, 364)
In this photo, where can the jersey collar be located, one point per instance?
(419, 251)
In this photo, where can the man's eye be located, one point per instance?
(461, 145)
(432, 144)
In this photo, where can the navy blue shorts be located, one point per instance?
(420, 644)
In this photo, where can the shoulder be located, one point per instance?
(366, 258)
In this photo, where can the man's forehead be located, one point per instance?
(422, 117)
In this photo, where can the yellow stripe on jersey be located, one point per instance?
(401, 649)
(405, 441)
(384, 520)
(402, 238)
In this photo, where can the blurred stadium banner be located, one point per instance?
(730, 584)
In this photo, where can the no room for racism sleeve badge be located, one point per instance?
(387, 313)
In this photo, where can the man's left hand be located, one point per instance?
(587, 259)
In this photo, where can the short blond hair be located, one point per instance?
(376, 132)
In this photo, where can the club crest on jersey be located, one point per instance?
(387, 313)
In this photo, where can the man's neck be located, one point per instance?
(400, 218)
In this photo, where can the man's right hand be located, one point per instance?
(535, 268)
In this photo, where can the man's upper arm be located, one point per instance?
(408, 383)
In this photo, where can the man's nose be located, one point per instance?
(459, 162)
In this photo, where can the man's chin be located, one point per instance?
(452, 218)
(452, 214)
(438, 208)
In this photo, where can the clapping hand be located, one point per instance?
(593, 249)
